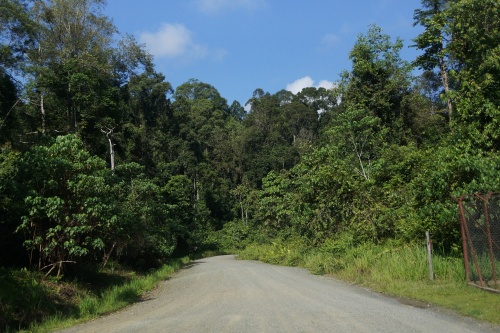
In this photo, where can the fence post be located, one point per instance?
(429, 255)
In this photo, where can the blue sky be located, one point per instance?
(241, 45)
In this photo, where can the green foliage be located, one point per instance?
(432, 17)
(278, 252)
(379, 79)
(68, 207)
(476, 45)
(359, 137)
(276, 131)
(148, 224)
(234, 236)
(446, 173)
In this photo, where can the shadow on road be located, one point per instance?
(192, 264)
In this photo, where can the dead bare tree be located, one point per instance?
(109, 135)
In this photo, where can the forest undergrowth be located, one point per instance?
(32, 302)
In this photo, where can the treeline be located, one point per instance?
(101, 159)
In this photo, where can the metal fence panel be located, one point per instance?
(480, 227)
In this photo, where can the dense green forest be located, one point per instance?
(101, 160)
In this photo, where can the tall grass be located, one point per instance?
(288, 253)
(403, 263)
(387, 262)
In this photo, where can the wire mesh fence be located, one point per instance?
(480, 227)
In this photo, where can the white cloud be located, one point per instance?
(175, 40)
(216, 6)
(325, 84)
(299, 84)
(170, 40)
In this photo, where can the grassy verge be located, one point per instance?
(397, 270)
(29, 302)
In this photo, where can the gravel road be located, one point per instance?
(221, 294)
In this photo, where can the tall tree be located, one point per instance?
(379, 79)
(435, 18)
(143, 127)
(71, 64)
(204, 126)
(265, 148)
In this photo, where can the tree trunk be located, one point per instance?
(109, 136)
(446, 86)
(196, 190)
(242, 210)
(42, 111)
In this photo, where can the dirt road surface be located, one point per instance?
(221, 294)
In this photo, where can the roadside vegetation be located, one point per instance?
(104, 165)
(34, 303)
